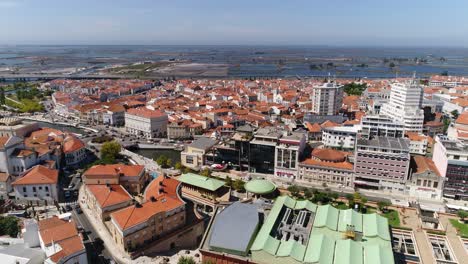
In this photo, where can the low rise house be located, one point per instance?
(60, 240)
(426, 181)
(203, 190)
(37, 183)
(5, 185)
(105, 199)
(161, 212)
(194, 154)
(132, 177)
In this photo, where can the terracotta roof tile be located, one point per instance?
(109, 195)
(38, 175)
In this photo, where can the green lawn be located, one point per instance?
(462, 228)
(341, 205)
(393, 218)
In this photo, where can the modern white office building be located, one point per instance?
(327, 98)
(405, 105)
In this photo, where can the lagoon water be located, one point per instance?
(247, 61)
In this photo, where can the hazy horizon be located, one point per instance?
(360, 23)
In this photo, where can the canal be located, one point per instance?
(174, 155)
(61, 127)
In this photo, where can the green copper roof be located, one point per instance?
(306, 204)
(260, 186)
(376, 225)
(375, 254)
(326, 243)
(350, 217)
(199, 181)
(320, 249)
(327, 215)
(291, 248)
(348, 252)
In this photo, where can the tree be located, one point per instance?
(354, 88)
(2, 95)
(392, 65)
(357, 196)
(9, 226)
(455, 114)
(364, 200)
(186, 260)
(110, 151)
(462, 214)
(308, 193)
(382, 205)
(169, 162)
(444, 73)
(228, 181)
(238, 185)
(178, 166)
(350, 199)
(294, 190)
(162, 161)
(334, 196)
(206, 172)
(446, 122)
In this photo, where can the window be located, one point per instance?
(47, 188)
(24, 189)
(34, 189)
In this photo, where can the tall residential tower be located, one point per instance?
(327, 98)
(405, 105)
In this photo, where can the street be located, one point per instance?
(95, 249)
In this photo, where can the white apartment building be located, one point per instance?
(327, 98)
(340, 137)
(146, 122)
(287, 154)
(380, 126)
(405, 105)
(418, 143)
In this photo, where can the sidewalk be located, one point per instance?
(453, 239)
(117, 254)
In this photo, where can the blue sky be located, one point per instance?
(286, 22)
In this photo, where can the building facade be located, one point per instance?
(382, 164)
(146, 122)
(327, 166)
(327, 98)
(380, 126)
(451, 159)
(37, 183)
(287, 155)
(341, 137)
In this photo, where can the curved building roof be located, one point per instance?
(329, 155)
(234, 228)
(260, 186)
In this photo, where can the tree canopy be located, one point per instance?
(110, 151)
(355, 88)
(9, 226)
